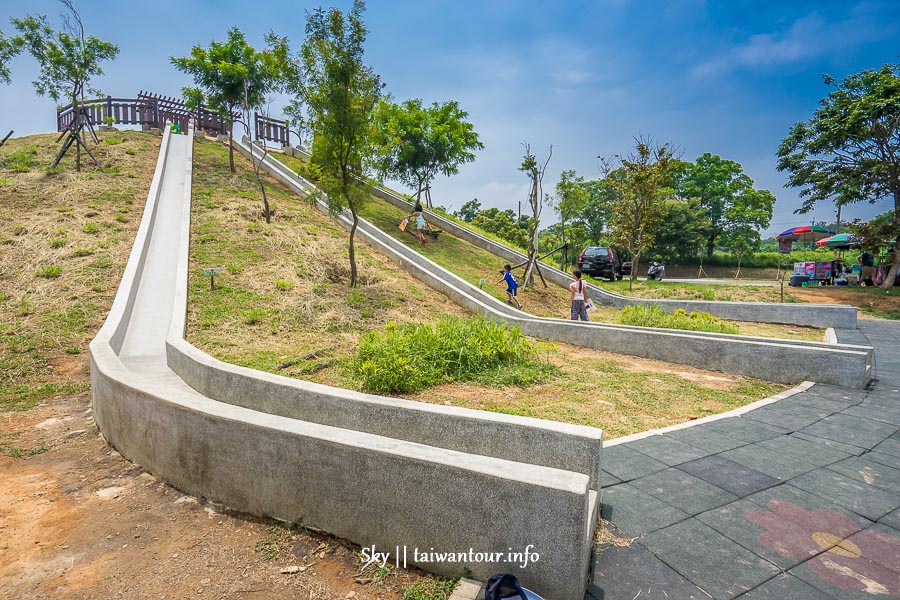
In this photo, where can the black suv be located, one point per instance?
(601, 261)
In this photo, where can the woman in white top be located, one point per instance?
(579, 298)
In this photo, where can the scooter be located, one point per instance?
(656, 271)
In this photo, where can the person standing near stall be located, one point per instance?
(867, 274)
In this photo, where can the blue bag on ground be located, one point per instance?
(507, 586)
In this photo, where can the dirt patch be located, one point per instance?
(79, 521)
(872, 301)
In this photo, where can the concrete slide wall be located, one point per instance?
(292, 450)
(814, 315)
(782, 361)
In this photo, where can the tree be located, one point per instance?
(727, 195)
(569, 200)
(414, 143)
(9, 48)
(535, 171)
(639, 186)
(341, 93)
(469, 210)
(849, 151)
(503, 224)
(595, 211)
(741, 240)
(681, 230)
(68, 59)
(229, 76)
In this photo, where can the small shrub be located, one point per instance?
(412, 357)
(73, 350)
(354, 298)
(112, 169)
(113, 141)
(233, 269)
(130, 152)
(206, 238)
(121, 218)
(22, 160)
(83, 251)
(58, 242)
(254, 316)
(25, 308)
(283, 285)
(654, 316)
(50, 272)
(90, 227)
(430, 588)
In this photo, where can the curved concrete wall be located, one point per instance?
(782, 361)
(349, 481)
(813, 315)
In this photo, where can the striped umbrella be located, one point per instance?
(841, 240)
(804, 233)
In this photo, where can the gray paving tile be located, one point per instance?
(870, 412)
(625, 463)
(785, 497)
(885, 459)
(607, 480)
(626, 573)
(801, 410)
(843, 577)
(826, 443)
(857, 431)
(706, 439)
(636, 512)
(889, 446)
(879, 543)
(870, 472)
(891, 520)
(683, 491)
(791, 422)
(785, 587)
(728, 475)
(764, 532)
(824, 402)
(667, 449)
(746, 430)
(708, 559)
(857, 496)
(771, 462)
(811, 452)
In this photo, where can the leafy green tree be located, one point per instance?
(741, 240)
(640, 186)
(231, 76)
(681, 230)
(504, 225)
(727, 195)
(68, 59)
(341, 93)
(849, 151)
(593, 214)
(469, 210)
(414, 143)
(9, 48)
(568, 201)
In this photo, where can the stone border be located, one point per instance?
(782, 361)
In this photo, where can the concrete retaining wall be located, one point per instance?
(813, 315)
(782, 361)
(368, 488)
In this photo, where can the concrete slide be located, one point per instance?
(783, 361)
(477, 488)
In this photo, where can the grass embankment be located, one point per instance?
(283, 299)
(64, 240)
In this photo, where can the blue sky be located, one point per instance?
(585, 76)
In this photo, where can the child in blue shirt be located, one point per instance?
(511, 286)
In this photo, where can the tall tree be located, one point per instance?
(341, 93)
(742, 241)
(68, 59)
(469, 210)
(535, 171)
(230, 77)
(849, 151)
(9, 48)
(727, 195)
(568, 201)
(640, 186)
(681, 230)
(414, 143)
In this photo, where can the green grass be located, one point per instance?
(654, 316)
(430, 588)
(50, 271)
(22, 397)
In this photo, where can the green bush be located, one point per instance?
(765, 260)
(430, 588)
(50, 272)
(412, 357)
(654, 316)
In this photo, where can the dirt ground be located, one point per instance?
(77, 520)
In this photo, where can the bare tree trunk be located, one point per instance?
(352, 252)
(562, 258)
(231, 148)
(78, 133)
(738, 272)
(256, 169)
(635, 265)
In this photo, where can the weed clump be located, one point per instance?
(412, 357)
(654, 316)
(430, 588)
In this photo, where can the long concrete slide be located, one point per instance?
(783, 361)
(374, 470)
(813, 315)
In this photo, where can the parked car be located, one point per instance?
(626, 268)
(601, 261)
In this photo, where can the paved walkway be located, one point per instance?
(796, 500)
